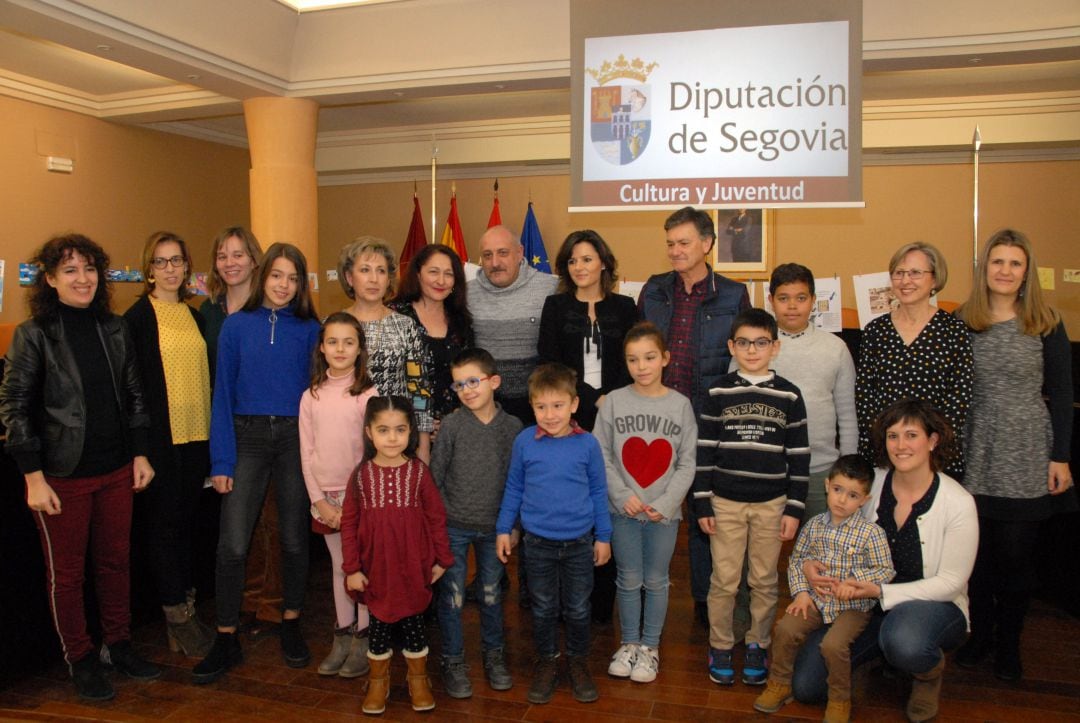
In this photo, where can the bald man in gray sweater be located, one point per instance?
(506, 299)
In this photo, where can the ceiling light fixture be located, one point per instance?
(104, 48)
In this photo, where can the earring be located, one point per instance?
(151, 280)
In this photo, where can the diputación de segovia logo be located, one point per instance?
(619, 109)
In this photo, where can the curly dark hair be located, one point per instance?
(607, 261)
(924, 414)
(458, 317)
(43, 300)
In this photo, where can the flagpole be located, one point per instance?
(977, 142)
(434, 154)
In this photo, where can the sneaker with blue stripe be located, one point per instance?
(721, 668)
(755, 665)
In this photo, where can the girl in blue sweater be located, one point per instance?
(263, 368)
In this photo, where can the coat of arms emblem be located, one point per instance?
(620, 108)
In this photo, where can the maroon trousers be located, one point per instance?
(95, 516)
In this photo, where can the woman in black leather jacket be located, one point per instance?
(73, 407)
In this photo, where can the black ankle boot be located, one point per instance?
(974, 651)
(293, 646)
(122, 657)
(89, 679)
(224, 654)
(1011, 609)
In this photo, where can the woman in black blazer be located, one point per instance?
(583, 325)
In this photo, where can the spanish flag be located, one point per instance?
(452, 235)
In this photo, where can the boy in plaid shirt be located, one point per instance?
(850, 547)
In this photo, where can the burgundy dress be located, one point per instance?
(393, 529)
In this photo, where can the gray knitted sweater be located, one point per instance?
(469, 462)
(507, 323)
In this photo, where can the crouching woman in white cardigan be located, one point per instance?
(933, 533)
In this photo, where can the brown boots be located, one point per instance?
(419, 685)
(925, 692)
(186, 633)
(379, 682)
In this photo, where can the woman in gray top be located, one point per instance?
(1017, 449)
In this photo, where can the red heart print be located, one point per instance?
(646, 462)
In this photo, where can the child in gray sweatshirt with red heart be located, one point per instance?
(648, 434)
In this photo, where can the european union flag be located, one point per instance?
(535, 253)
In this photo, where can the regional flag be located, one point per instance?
(416, 240)
(495, 219)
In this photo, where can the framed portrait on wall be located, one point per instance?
(743, 248)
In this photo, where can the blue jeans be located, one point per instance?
(267, 448)
(560, 577)
(489, 571)
(912, 637)
(642, 552)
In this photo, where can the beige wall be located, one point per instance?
(903, 203)
(128, 182)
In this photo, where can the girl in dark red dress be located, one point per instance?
(395, 546)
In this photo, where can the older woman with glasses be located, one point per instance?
(917, 350)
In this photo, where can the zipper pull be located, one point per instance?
(273, 324)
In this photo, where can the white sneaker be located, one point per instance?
(622, 662)
(646, 665)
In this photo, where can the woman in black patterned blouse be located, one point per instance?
(432, 294)
(916, 350)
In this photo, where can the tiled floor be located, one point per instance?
(263, 688)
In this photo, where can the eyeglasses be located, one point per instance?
(762, 344)
(913, 274)
(471, 383)
(159, 262)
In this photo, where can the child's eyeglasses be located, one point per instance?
(471, 383)
(762, 344)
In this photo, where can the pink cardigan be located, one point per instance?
(331, 435)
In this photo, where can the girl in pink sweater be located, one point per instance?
(331, 445)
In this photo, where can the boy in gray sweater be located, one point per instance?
(469, 463)
(820, 365)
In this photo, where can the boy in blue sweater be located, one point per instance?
(557, 488)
